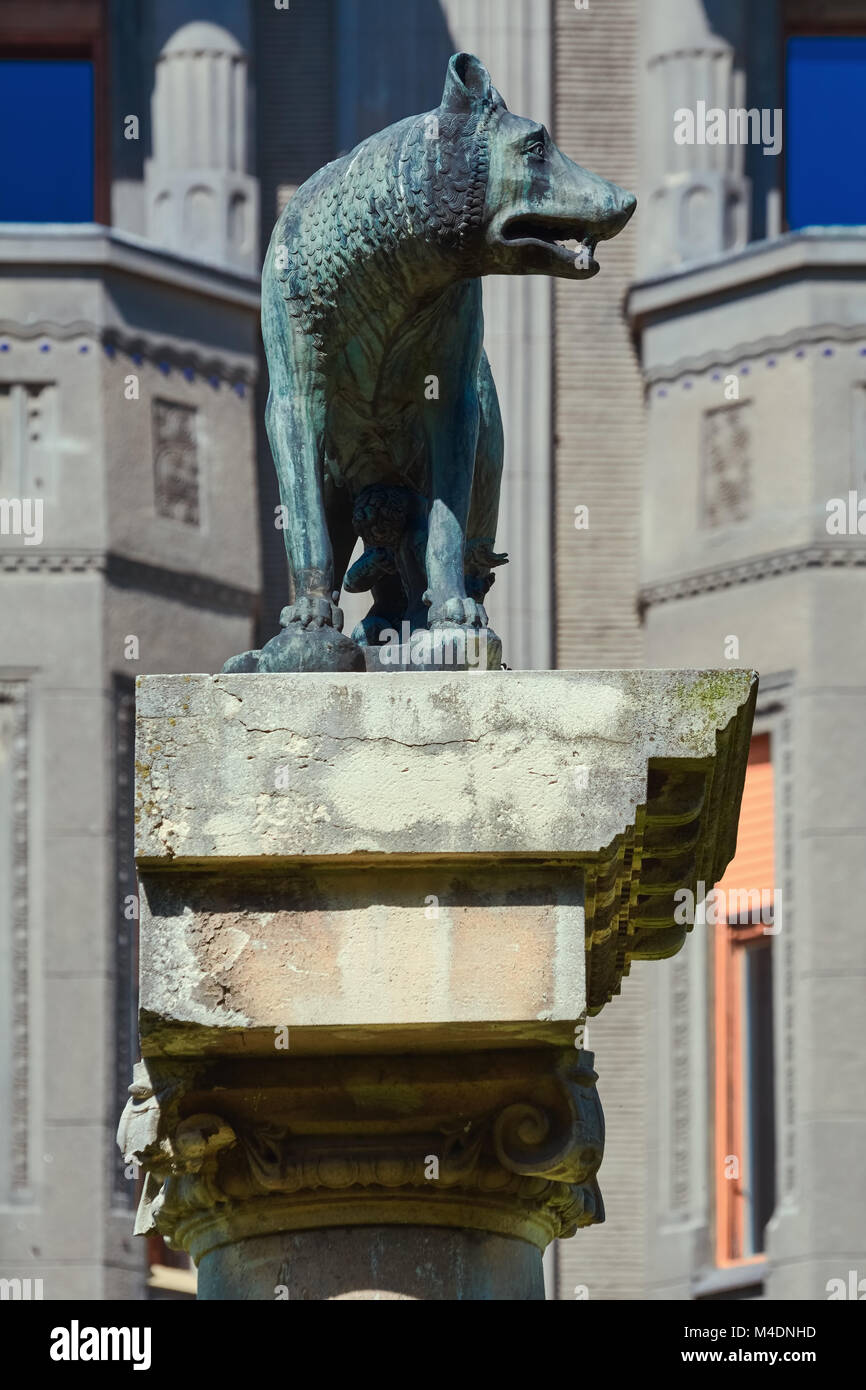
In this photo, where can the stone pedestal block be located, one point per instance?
(375, 913)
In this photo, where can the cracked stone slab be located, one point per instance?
(509, 762)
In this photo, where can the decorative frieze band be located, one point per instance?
(140, 346)
(32, 561)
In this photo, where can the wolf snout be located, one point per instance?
(624, 204)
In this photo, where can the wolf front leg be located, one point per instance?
(295, 424)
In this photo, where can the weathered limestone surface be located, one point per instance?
(418, 763)
(375, 913)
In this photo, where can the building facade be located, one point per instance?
(675, 430)
(128, 361)
(735, 1068)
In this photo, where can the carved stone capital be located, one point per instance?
(507, 1143)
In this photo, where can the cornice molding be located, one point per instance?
(750, 571)
(677, 290)
(196, 590)
(83, 247)
(755, 350)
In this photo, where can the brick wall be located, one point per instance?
(598, 391)
(598, 415)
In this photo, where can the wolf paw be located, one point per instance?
(312, 610)
(462, 612)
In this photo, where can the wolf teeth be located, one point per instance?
(575, 244)
(572, 243)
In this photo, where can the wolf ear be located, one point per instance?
(467, 84)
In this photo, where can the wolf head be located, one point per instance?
(538, 213)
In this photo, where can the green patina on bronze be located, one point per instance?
(382, 415)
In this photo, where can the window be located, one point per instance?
(46, 140)
(825, 111)
(748, 915)
(54, 123)
(28, 439)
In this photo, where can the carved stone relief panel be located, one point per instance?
(176, 462)
(726, 467)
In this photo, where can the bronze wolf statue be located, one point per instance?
(382, 415)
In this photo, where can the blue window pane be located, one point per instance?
(824, 122)
(46, 141)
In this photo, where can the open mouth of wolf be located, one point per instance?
(570, 241)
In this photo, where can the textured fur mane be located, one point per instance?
(367, 224)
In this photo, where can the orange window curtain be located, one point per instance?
(742, 917)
